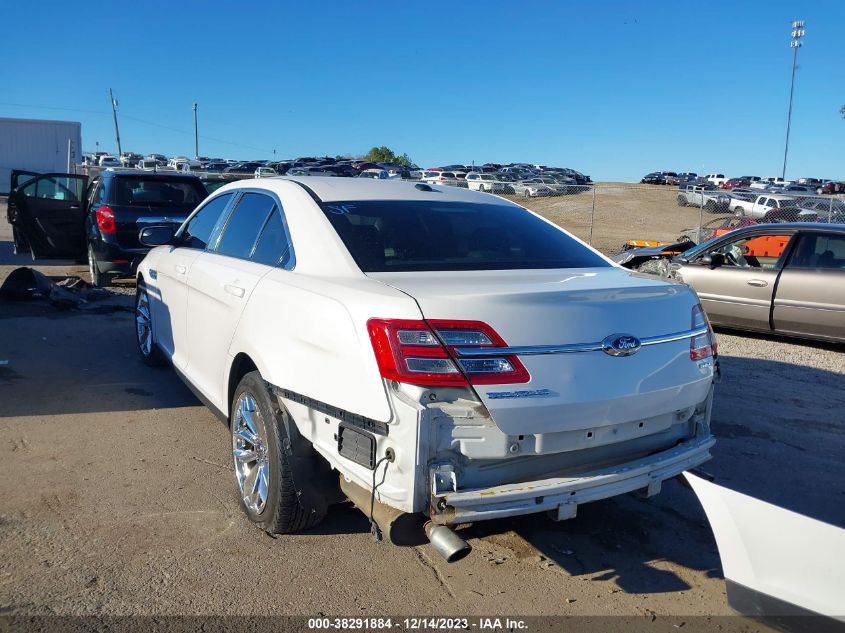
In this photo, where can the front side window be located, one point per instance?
(54, 188)
(244, 224)
(197, 232)
(819, 251)
(400, 236)
(755, 251)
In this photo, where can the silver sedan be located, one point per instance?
(780, 278)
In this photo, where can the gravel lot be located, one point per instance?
(118, 495)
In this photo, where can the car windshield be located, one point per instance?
(401, 236)
(157, 191)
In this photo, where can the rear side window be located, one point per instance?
(384, 236)
(244, 225)
(155, 191)
(823, 251)
(273, 248)
(197, 232)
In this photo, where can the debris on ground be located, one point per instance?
(26, 284)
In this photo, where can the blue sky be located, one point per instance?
(614, 89)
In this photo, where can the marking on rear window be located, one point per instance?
(340, 209)
(528, 393)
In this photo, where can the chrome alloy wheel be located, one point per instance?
(249, 449)
(144, 323)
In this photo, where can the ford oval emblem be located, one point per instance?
(621, 345)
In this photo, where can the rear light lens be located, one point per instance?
(704, 345)
(424, 353)
(105, 220)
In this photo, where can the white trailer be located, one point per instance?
(38, 145)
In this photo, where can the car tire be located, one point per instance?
(150, 352)
(819, 191)
(682, 202)
(101, 280)
(260, 453)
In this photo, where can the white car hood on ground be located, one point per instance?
(555, 307)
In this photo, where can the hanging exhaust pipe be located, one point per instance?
(446, 543)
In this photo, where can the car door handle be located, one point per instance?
(759, 283)
(234, 290)
(180, 269)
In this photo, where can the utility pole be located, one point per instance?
(795, 44)
(114, 113)
(196, 134)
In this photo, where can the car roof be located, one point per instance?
(790, 226)
(333, 189)
(140, 172)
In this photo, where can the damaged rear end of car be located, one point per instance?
(537, 377)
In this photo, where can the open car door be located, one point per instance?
(47, 213)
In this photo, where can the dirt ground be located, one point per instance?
(620, 212)
(117, 493)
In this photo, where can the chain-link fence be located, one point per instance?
(615, 217)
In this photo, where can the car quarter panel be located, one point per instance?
(309, 334)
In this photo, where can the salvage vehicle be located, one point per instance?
(766, 207)
(778, 278)
(531, 189)
(62, 216)
(710, 197)
(446, 355)
(830, 187)
(484, 182)
(654, 178)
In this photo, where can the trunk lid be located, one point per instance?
(571, 391)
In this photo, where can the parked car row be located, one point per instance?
(770, 183)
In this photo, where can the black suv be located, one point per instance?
(63, 216)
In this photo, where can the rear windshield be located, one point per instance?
(156, 191)
(384, 236)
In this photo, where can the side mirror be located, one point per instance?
(713, 260)
(156, 235)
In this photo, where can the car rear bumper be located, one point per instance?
(562, 495)
(112, 258)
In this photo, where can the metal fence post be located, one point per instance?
(830, 210)
(700, 216)
(592, 215)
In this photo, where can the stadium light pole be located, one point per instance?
(795, 44)
(196, 134)
(114, 114)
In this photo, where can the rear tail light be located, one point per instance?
(425, 353)
(105, 220)
(703, 345)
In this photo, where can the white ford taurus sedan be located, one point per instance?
(452, 356)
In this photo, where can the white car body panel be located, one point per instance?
(775, 553)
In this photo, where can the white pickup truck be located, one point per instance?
(765, 183)
(768, 207)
